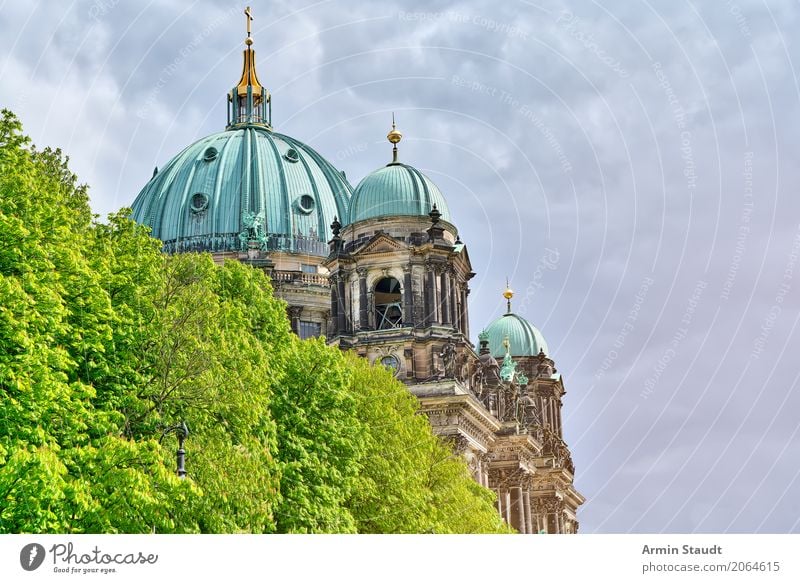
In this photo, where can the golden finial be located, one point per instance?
(507, 344)
(508, 294)
(249, 102)
(249, 76)
(394, 137)
(248, 41)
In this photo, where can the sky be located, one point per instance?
(627, 165)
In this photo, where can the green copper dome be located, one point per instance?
(523, 337)
(247, 186)
(396, 189)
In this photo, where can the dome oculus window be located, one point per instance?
(291, 155)
(210, 154)
(199, 202)
(305, 204)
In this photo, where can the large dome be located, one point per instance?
(523, 337)
(244, 184)
(396, 190)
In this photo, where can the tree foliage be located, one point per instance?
(105, 344)
(410, 481)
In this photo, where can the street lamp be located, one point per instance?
(182, 431)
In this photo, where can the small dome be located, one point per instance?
(246, 181)
(524, 338)
(396, 190)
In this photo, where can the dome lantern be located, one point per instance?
(249, 102)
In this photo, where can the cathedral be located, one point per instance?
(379, 269)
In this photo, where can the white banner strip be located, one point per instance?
(411, 558)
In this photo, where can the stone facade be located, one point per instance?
(395, 290)
(504, 419)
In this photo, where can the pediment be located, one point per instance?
(464, 255)
(381, 243)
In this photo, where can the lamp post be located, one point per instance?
(182, 431)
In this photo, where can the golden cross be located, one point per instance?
(249, 19)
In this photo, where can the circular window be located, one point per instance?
(391, 362)
(291, 155)
(199, 202)
(210, 154)
(305, 204)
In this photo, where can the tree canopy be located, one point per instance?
(106, 343)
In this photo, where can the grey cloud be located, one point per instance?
(509, 107)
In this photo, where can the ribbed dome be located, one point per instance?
(396, 189)
(247, 182)
(523, 337)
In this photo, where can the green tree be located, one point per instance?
(320, 441)
(410, 481)
(64, 464)
(105, 343)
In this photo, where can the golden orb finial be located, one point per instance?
(508, 294)
(394, 137)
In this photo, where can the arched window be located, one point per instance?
(388, 305)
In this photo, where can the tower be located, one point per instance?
(400, 281)
(537, 472)
(399, 275)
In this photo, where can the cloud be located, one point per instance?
(640, 142)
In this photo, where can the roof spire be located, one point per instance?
(508, 294)
(394, 137)
(249, 102)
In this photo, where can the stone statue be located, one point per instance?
(448, 356)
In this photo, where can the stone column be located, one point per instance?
(507, 506)
(517, 509)
(454, 308)
(341, 319)
(456, 305)
(540, 510)
(408, 298)
(555, 417)
(444, 286)
(326, 321)
(431, 317)
(526, 500)
(334, 306)
(464, 312)
(294, 318)
(363, 314)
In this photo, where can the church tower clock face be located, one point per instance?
(391, 362)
